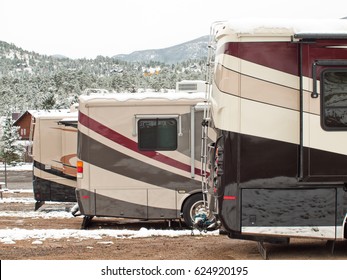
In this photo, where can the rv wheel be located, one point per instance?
(191, 208)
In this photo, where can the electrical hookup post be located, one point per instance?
(173, 269)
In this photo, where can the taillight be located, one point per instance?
(79, 169)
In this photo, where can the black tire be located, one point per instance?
(191, 207)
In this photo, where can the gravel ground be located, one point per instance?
(196, 247)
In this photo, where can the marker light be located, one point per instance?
(79, 169)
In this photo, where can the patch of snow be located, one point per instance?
(18, 167)
(122, 97)
(7, 240)
(38, 214)
(30, 190)
(105, 242)
(25, 200)
(9, 236)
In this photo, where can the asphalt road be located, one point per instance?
(17, 179)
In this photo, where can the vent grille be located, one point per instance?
(187, 87)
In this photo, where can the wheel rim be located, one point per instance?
(194, 210)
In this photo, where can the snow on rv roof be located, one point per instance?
(287, 26)
(122, 97)
(53, 113)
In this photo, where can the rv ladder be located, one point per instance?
(207, 112)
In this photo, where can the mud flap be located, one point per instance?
(86, 222)
(262, 250)
(38, 204)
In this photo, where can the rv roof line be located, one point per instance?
(321, 36)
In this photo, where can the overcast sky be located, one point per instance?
(87, 28)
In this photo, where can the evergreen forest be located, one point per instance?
(30, 81)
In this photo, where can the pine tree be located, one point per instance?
(10, 150)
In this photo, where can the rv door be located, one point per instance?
(324, 112)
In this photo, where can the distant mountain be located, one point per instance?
(195, 49)
(59, 56)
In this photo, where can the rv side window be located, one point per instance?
(334, 99)
(157, 134)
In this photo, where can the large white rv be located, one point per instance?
(278, 96)
(139, 156)
(54, 146)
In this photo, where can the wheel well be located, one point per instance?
(186, 199)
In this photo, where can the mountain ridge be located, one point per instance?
(194, 49)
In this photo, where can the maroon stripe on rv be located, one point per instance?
(284, 56)
(130, 144)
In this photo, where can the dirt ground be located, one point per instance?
(195, 247)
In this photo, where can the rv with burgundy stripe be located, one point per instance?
(278, 97)
(139, 156)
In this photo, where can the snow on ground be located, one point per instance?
(10, 236)
(49, 214)
(18, 167)
(25, 200)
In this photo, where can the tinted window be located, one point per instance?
(157, 134)
(334, 99)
